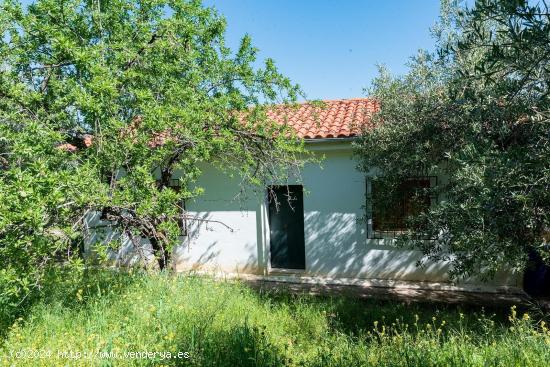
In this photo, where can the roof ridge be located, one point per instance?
(304, 103)
(349, 99)
(355, 99)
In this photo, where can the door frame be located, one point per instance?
(267, 238)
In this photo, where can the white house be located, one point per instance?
(318, 236)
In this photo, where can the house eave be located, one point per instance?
(347, 139)
(330, 144)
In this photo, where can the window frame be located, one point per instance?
(370, 202)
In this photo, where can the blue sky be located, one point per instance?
(331, 47)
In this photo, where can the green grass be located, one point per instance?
(229, 324)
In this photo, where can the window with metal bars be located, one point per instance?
(388, 218)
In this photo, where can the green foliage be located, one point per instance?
(476, 112)
(102, 103)
(228, 324)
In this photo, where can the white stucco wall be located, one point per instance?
(232, 234)
(226, 234)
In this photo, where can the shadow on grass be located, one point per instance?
(351, 315)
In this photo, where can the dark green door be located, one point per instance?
(286, 226)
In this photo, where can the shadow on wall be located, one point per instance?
(119, 249)
(336, 240)
(222, 241)
(225, 236)
(336, 246)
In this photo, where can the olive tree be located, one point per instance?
(475, 112)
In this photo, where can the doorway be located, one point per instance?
(286, 227)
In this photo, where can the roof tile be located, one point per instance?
(340, 118)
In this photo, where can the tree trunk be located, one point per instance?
(160, 252)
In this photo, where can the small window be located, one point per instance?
(388, 218)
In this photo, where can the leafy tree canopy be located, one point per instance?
(476, 112)
(101, 103)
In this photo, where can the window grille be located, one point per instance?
(388, 220)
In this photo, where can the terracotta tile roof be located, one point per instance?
(340, 118)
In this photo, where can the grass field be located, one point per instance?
(105, 319)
